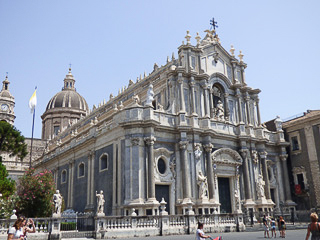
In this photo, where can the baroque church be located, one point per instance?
(189, 132)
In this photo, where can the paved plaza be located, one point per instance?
(290, 234)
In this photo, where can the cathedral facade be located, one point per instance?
(189, 132)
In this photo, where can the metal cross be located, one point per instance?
(213, 24)
(69, 65)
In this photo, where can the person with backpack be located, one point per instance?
(313, 228)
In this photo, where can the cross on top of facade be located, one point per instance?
(213, 24)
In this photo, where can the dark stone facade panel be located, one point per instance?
(80, 185)
(104, 179)
(63, 187)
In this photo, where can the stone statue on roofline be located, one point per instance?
(150, 95)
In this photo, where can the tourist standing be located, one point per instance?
(282, 226)
(265, 225)
(26, 228)
(273, 228)
(313, 227)
(16, 231)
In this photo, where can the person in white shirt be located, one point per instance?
(200, 234)
(16, 231)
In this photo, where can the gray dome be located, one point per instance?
(68, 99)
(6, 94)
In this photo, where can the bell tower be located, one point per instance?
(7, 103)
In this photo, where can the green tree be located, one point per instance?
(35, 193)
(7, 185)
(11, 141)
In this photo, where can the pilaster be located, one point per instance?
(211, 186)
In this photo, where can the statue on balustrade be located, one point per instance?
(203, 185)
(100, 203)
(220, 111)
(57, 200)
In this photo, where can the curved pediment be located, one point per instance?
(226, 156)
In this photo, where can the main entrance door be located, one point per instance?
(162, 191)
(224, 195)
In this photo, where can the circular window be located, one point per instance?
(161, 166)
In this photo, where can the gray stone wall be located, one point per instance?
(80, 185)
(104, 178)
(63, 187)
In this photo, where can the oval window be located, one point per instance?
(161, 166)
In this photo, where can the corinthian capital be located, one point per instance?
(150, 140)
(208, 147)
(244, 153)
(283, 157)
(263, 154)
(183, 144)
(135, 141)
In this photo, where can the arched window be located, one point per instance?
(217, 94)
(64, 176)
(104, 162)
(81, 170)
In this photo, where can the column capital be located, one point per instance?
(135, 141)
(283, 157)
(263, 154)
(226, 95)
(192, 83)
(149, 140)
(183, 144)
(208, 147)
(244, 153)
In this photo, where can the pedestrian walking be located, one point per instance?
(313, 228)
(16, 231)
(266, 226)
(273, 228)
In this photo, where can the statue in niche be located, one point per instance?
(260, 187)
(220, 111)
(203, 185)
(237, 198)
(100, 202)
(57, 200)
(255, 156)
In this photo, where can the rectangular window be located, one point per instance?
(301, 180)
(193, 62)
(229, 72)
(295, 143)
(56, 130)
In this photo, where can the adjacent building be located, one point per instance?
(303, 133)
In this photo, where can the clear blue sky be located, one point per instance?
(109, 42)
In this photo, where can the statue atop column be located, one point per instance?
(203, 185)
(220, 111)
(260, 187)
(57, 200)
(100, 203)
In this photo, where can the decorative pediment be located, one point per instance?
(226, 156)
(162, 152)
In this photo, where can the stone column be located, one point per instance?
(186, 186)
(263, 157)
(206, 100)
(211, 103)
(226, 105)
(238, 95)
(182, 103)
(248, 108)
(70, 184)
(235, 80)
(243, 75)
(246, 174)
(151, 184)
(287, 189)
(258, 111)
(208, 148)
(193, 103)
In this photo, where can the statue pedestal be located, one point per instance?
(56, 215)
(100, 214)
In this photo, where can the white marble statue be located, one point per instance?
(220, 111)
(100, 202)
(150, 95)
(278, 123)
(255, 158)
(57, 200)
(203, 185)
(260, 187)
